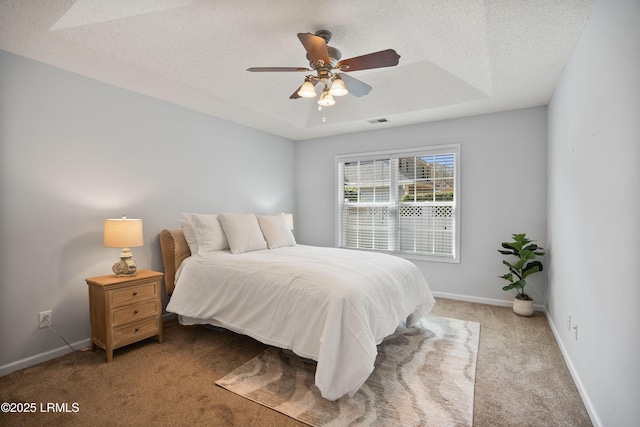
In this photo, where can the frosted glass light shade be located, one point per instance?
(307, 90)
(338, 88)
(326, 100)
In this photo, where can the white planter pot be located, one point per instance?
(522, 308)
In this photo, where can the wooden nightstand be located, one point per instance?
(124, 310)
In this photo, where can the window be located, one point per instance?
(404, 202)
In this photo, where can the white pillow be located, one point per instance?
(189, 235)
(243, 232)
(208, 232)
(276, 231)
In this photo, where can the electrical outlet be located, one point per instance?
(568, 321)
(575, 330)
(44, 318)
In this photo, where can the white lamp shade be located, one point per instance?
(307, 90)
(338, 88)
(123, 233)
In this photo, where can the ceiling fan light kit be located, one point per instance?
(337, 87)
(326, 100)
(307, 90)
(325, 61)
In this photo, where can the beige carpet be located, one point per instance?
(423, 376)
(521, 379)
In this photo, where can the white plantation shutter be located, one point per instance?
(402, 202)
(365, 194)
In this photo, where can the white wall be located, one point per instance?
(74, 152)
(503, 191)
(594, 212)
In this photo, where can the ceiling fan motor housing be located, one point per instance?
(325, 34)
(334, 54)
(334, 57)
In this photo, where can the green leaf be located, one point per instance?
(532, 267)
(521, 262)
(521, 239)
(527, 254)
(520, 284)
(515, 246)
(507, 288)
(513, 267)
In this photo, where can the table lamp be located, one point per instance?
(123, 233)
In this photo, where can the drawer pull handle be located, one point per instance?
(137, 329)
(135, 293)
(135, 311)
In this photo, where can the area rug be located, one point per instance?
(423, 376)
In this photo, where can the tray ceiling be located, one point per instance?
(458, 58)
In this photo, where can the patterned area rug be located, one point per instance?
(423, 376)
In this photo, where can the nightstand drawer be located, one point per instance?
(133, 293)
(135, 332)
(135, 312)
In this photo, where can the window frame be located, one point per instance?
(453, 148)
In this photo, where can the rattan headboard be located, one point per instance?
(174, 250)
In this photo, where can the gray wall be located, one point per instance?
(594, 212)
(503, 191)
(74, 152)
(70, 145)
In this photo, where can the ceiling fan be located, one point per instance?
(329, 69)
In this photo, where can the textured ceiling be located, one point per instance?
(458, 57)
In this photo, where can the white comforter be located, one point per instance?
(330, 305)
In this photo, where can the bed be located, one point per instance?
(246, 273)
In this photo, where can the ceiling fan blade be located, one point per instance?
(295, 95)
(277, 69)
(384, 58)
(316, 47)
(355, 86)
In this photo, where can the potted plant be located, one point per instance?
(525, 265)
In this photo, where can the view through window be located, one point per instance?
(402, 202)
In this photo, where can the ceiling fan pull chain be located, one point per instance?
(324, 117)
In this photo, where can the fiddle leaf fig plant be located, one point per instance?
(525, 251)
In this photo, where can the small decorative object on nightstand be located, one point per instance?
(124, 310)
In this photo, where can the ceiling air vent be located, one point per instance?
(374, 121)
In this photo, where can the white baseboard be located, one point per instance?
(42, 357)
(480, 300)
(595, 420)
(56, 352)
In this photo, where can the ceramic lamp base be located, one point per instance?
(126, 266)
